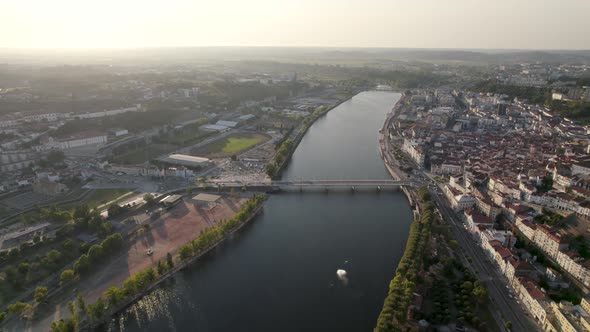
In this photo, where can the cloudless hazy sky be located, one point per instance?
(522, 24)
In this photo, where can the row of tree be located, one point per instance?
(402, 286)
(97, 252)
(213, 234)
(287, 147)
(141, 280)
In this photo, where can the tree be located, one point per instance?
(40, 294)
(82, 212)
(82, 264)
(23, 268)
(67, 276)
(169, 260)
(149, 198)
(95, 253)
(97, 310)
(19, 309)
(114, 295)
(508, 325)
(2, 317)
(114, 210)
(271, 169)
(55, 157)
(185, 251)
(82, 307)
(161, 268)
(63, 326)
(480, 293)
(54, 256)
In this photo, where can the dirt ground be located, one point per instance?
(176, 227)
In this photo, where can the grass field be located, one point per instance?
(143, 154)
(232, 144)
(101, 196)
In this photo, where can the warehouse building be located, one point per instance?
(186, 160)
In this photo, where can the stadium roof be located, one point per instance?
(226, 123)
(206, 197)
(185, 160)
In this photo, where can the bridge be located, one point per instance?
(311, 184)
(340, 183)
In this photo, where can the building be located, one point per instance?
(94, 115)
(230, 124)
(171, 200)
(118, 132)
(566, 317)
(414, 150)
(488, 207)
(15, 239)
(186, 160)
(86, 138)
(533, 298)
(16, 160)
(549, 241)
(526, 227)
(49, 188)
(474, 218)
(206, 200)
(572, 263)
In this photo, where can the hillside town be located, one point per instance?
(518, 175)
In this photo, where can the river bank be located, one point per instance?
(300, 134)
(92, 321)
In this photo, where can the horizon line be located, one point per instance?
(122, 48)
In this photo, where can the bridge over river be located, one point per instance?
(313, 184)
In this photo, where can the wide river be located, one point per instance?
(279, 272)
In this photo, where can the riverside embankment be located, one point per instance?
(282, 268)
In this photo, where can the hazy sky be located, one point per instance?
(541, 24)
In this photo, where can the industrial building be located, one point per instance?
(171, 200)
(206, 200)
(186, 160)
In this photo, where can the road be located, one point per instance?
(487, 272)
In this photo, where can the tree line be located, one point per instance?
(402, 286)
(140, 281)
(287, 147)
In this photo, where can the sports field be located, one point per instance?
(232, 144)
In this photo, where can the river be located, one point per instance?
(279, 272)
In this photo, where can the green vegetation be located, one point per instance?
(550, 218)
(140, 281)
(546, 183)
(19, 309)
(581, 246)
(186, 135)
(132, 121)
(402, 286)
(287, 147)
(534, 95)
(97, 252)
(67, 276)
(40, 294)
(101, 196)
(142, 154)
(213, 234)
(573, 110)
(231, 145)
